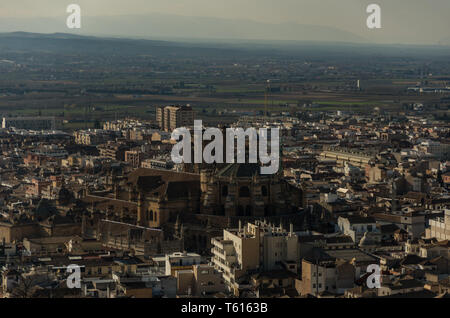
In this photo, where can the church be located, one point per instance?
(197, 206)
(240, 190)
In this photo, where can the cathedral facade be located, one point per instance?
(240, 190)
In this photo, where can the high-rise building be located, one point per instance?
(160, 116)
(255, 247)
(172, 117)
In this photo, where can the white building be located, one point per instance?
(439, 227)
(356, 226)
(180, 260)
(32, 123)
(252, 248)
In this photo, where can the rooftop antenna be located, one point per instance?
(266, 98)
(85, 115)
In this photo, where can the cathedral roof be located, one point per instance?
(151, 178)
(44, 209)
(240, 170)
(162, 183)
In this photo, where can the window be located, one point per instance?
(244, 192)
(264, 191)
(224, 191)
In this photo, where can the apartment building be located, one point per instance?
(439, 227)
(114, 151)
(180, 261)
(93, 136)
(172, 117)
(134, 158)
(253, 248)
(411, 221)
(201, 280)
(354, 157)
(326, 275)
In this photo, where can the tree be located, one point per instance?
(25, 287)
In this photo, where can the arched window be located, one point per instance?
(248, 210)
(264, 191)
(244, 192)
(224, 191)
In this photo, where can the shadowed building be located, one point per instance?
(195, 207)
(241, 190)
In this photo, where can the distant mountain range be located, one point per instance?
(69, 43)
(63, 43)
(180, 27)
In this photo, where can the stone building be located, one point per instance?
(241, 190)
(196, 206)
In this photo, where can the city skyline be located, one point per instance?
(227, 156)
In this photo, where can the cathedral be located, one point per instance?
(194, 207)
(239, 190)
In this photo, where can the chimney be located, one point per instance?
(240, 226)
(291, 229)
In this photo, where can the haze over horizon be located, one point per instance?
(403, 22)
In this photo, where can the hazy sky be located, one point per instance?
(407, 21)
